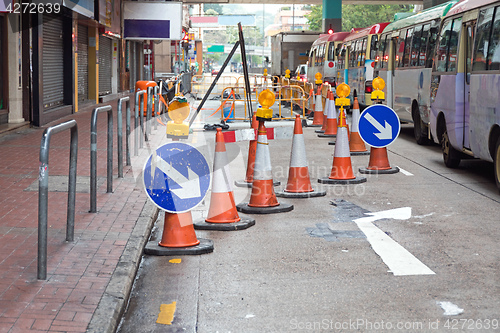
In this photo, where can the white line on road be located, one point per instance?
(396, 257)
(403, 171)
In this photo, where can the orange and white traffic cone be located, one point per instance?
(299, 183)
(341, 113)
(342, 168)
(318, 111)
(179, 238)
(222, 214)
(252, 148)
(329, 95)
(331, 121)
(263, 199)
(379, 162)
(356, 144)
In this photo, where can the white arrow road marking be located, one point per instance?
(396, 257)
(190, 187)
(385, 132)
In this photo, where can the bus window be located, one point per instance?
(400, 49)
(415, 47)
(380, 59)
(352, 54)
(363, 52)
(494, 49)
(431, 45)
(442, 51)
(423, 44)
(331, 52)
(453, 48)
(407, 48)
(341, 56)
(482, 39)
(373, 47)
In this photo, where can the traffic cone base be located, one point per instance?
(323, 135)
(360, 153)
(379, 163)
(319, 131)
(301, 195)
(244, 223)
(243, 183)
(281, 208)
(179, 237)
(356, 180)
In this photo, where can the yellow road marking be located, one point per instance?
(166, 315)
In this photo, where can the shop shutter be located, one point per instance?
(104, 65)
(83, 63)
(52, 60)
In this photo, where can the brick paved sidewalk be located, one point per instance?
(78, 273)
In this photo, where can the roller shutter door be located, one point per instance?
(83, 63)
(53, 64)
(104, 65)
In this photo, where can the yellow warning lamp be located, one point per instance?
(342, 91)
(318, 78)
(266, 99)
(265, 72)
(298, 77)
(287, 73)
(377, 94)
(178, 111)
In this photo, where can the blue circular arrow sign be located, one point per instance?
(176, 177)
(379, 125)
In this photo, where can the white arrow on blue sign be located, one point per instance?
(379, 125)
(176, 177)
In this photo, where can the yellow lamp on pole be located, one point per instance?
(319, 78)
(266, 99)
(342, 91)
(287, 73)
(377, 94)
(178, 111)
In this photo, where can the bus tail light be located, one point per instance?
(368, 87)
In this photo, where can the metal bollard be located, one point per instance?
(157, 106)
(120, 135)
(93, 155)
(148, 112)
(138, 110)
(43, 191)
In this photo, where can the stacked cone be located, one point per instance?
(356, 144)
(299, 183)
(331, 120)
(263, 199)
(325, 112)
(342, 172)
(318, 110)
(341, 113)
(222, 214)
(179, 238)
(252, 148)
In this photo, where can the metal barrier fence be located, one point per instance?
(93, 155)
(43, 191)
(120, 135)
(201, 83)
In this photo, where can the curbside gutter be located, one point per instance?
(114, 301)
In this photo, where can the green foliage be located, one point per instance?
(315, 18)
(213, 6)
(358, 16)
(211, 12)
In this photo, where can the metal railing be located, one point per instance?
(93, 155)
(138, 114)
(149, 110)
(120, 135)
(43, 191)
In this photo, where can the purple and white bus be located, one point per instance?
(465, 84)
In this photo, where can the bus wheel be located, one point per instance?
(451, 156)
(497, 164)
(419, 129)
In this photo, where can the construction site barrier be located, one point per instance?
(43, 191)
(200, 85)
(93, 155)
(120, 135)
